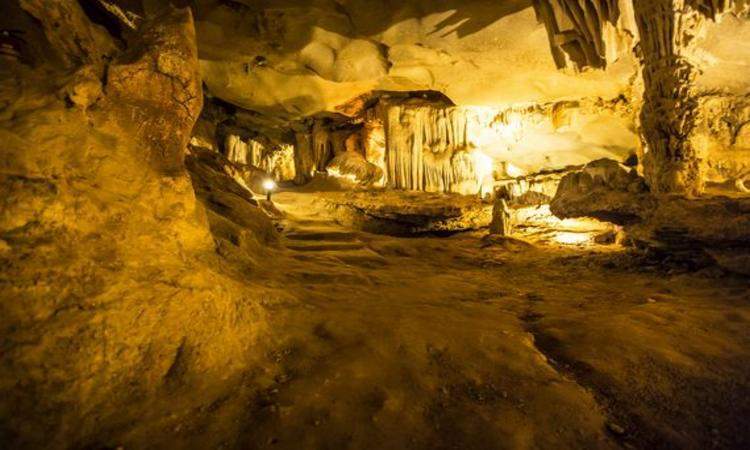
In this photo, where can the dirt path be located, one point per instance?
(432, 343)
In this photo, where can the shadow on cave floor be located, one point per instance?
(444, 343)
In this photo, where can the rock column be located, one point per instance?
(668, 28)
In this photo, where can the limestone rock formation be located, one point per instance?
(603, 190)
(241, 227)
(71, 34)
(587, 34)
(318, 55)
(112, 294)
(277, 160)
(354, 166)
(156, 81)
(409, 213)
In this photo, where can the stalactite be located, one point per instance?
(235, 149)
(585, 33)
(275, 159)
(255, 151)
(373, 140)
(322, 145)
(427, 149)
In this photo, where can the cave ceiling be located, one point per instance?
(299, 57)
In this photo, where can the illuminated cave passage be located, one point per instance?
(375, 224)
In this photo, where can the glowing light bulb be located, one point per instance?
(269, 185)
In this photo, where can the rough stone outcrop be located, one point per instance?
(717, 226)
(603, 190)
(70, 33)
(112, 295)
(354, 166)
(157, 82)
(409, 213)
(240, 226)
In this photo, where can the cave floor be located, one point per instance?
(446, 342)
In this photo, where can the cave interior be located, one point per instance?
(375, 224)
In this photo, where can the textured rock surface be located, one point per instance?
(113, 297)
(69, 32)
(157, 83)
(409, 213)
(322, 54)
(603, 190)
(355, 167)
(588, 34)
(713, 225)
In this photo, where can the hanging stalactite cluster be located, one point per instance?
(428, 149)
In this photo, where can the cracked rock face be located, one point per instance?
(157, 80)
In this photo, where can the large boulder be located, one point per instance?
(354, 167)
(717, 226)
(604, 190)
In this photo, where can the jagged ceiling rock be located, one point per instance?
(296, 57)
(588, 34)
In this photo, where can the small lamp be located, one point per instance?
(269, 185)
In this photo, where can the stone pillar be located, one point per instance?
(668, 28)
(304, 164)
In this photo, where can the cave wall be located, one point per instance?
(113, 296)
(437, 147)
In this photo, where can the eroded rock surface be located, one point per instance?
(113, 296)
(409, 213)
(606, 191)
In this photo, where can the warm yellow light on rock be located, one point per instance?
(513, 171)
(483, 166)
(568, 238)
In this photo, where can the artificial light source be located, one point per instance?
(269, 185)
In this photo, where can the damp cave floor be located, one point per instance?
(450, 343)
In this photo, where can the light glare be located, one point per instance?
(269, 185)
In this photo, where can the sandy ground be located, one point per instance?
(448, 343)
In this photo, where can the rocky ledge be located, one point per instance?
(401, 213)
